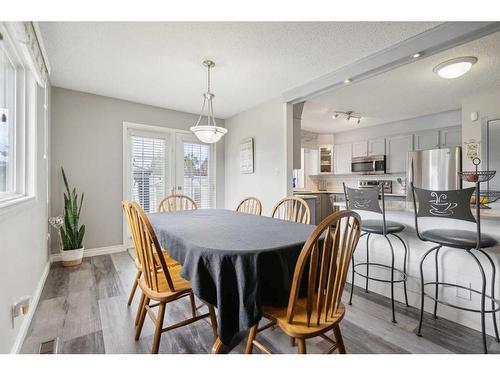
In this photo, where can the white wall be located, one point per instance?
(23, 244)
(87, 141)
(266, 124)
(488, 106)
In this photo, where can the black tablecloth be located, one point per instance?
(233, 260)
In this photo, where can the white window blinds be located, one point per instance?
(199, 182)
(149, 166)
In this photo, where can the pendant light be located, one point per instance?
(209, 133)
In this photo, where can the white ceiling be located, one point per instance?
(160, 63)
(407, 92)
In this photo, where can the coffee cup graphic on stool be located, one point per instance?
(440, 207)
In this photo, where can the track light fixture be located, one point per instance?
(348, 115)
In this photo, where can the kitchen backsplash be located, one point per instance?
(334, 183)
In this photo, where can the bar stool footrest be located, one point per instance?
(403, 276)
(497, 302)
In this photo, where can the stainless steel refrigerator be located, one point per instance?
(435, 169)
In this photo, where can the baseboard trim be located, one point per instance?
(93, 252)
(23, 330)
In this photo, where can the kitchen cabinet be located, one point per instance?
(427, 140)
(325, 159)
(342, 158)
(397, 149)
(311, 161)
(376, 147)
(359, 149)
(451, 137)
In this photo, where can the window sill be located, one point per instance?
(8, 205)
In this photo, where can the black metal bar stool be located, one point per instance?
(455, 204)
(368, 200)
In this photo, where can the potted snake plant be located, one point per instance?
(70, 231)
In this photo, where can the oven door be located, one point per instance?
(363, 166)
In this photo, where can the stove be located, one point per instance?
(386, 185)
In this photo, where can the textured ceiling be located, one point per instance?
(160, 63)
(409, 91)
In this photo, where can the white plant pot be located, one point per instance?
(72, 257)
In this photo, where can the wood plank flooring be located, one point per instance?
(86, 308)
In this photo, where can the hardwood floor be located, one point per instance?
(86, 308)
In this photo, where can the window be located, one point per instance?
(7, 123)
(198, 182)
(149, 167)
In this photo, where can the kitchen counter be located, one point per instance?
(336, 192)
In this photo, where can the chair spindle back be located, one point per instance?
(177, 202)
(292, 209)
(325, 257)
(250, 205)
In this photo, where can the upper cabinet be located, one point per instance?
(427, 140)
(342, 157)
(376, 146)
(451, 137)
(359, 149)
(311, 160)
(325, 159)
(397, 148)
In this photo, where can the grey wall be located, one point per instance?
(86, 138)
(265, 123)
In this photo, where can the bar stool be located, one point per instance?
(455, 204)
(368, 200)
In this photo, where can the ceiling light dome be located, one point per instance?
(455, 68)
(209, 133)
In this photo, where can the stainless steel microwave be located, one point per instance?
(369, 165)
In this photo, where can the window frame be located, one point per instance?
(24, 145)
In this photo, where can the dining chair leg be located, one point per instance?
(193, 305)
(292, 341)
(139, 309)
(158, 328)
(339, 339)
(213, 320)
(252, 332)
(134, 287)
(302, 346)
(142, 317)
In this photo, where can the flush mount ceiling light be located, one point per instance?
(348, 115)
(455, 68)
(209, 133)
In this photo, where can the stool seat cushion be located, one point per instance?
(462, 239)
(377, 226)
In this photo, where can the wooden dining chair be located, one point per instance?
(292, 209)
(250, 205)
(177, 202)
(168, 260)
(321, 271)
(159, 284)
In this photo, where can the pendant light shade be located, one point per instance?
(209, 132)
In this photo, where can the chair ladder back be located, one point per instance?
(177, 202)
(326, 256)
(292, 209)
(147, 246)
(250, 205)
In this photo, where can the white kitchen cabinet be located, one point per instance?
(451, 137)
(427, 140)
(376, 146)
(359, 149)
(342, 158)
(311, 161)
(325, 159)
(397, 149)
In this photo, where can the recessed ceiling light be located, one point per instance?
(455, 68)
(335, 115)
(347, 80)
(416, 55)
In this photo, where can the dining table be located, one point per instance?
(234, 261)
